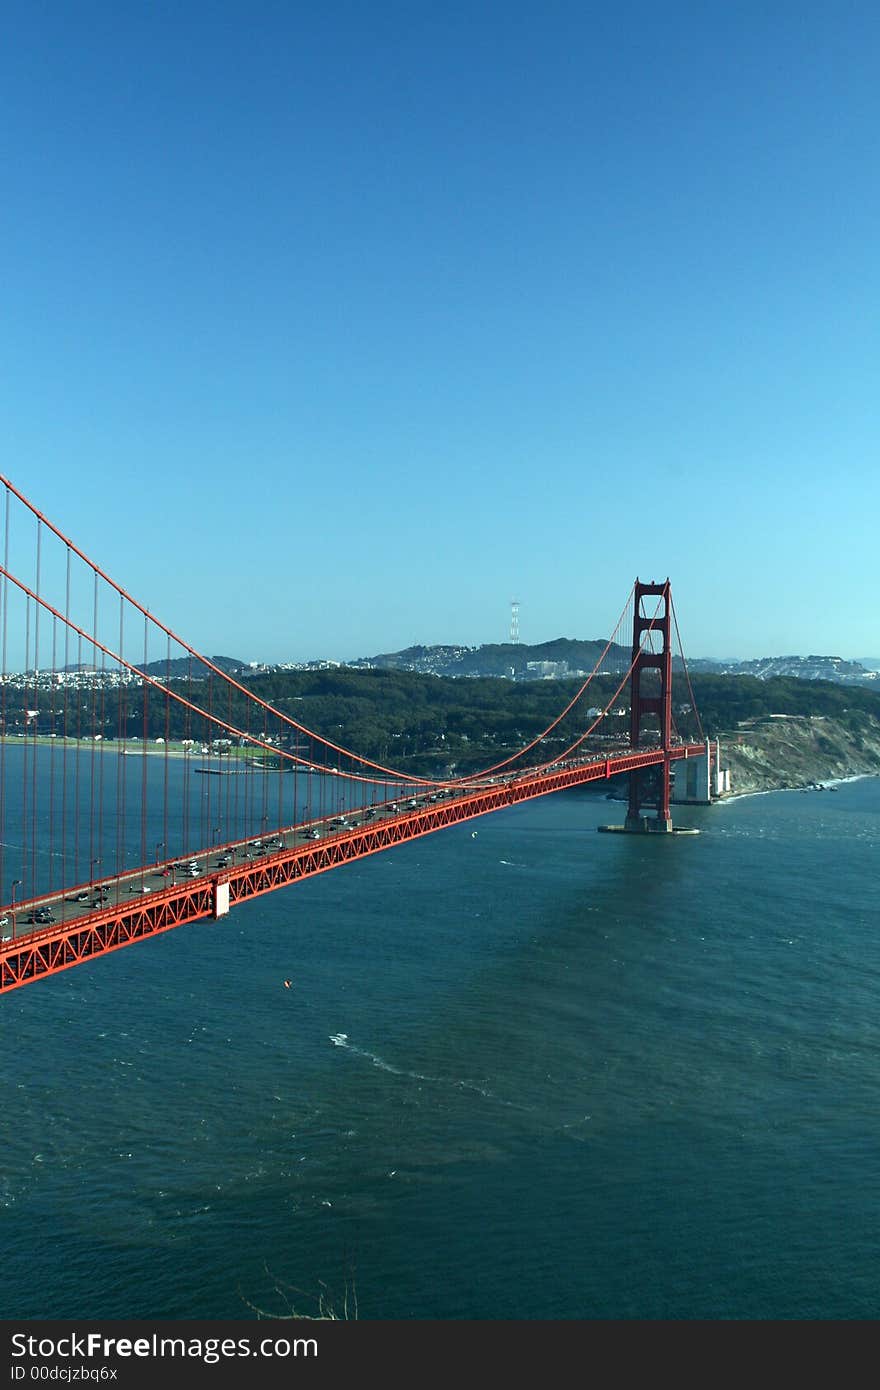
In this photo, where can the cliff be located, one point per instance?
(799, 751)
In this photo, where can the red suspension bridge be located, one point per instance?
(143, 787)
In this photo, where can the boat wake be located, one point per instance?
(342, 1040)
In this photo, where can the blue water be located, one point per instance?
(573, 1076)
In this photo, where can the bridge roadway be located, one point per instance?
(109, 913)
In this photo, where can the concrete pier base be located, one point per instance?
(647, 825)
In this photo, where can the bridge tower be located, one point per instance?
(658, 704)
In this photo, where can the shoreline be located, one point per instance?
(815, 787)
(121, 748)
(233, 761)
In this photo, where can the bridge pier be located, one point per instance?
(648, 825)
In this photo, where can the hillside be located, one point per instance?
(768, 754)
(774, 733)
(568, 656)
(184, 667)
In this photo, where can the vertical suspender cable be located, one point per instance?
(77, 762)
(99, 744)
(166, 839)
(28, 887)
(121, 730)
(36, 719)
(92, 680)
(145, 739)
(4, 599)
(65, 874)
(188, 732)
(52, 689)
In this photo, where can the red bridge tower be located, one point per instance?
(659, 704)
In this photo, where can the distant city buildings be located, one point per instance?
(551, 671)
(446, 660)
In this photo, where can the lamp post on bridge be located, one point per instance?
(94, 864)
(160, 844)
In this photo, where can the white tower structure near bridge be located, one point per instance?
(514, 621)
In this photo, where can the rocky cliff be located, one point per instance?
(799, 751)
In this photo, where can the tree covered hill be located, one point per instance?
(509, 659)
(432, 724)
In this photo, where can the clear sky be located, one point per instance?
(329, 328)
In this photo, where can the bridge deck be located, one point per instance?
(87, 930)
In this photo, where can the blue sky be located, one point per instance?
(326, 329)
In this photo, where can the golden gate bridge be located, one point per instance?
(143, 786)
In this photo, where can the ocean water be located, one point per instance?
(524, 1071)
